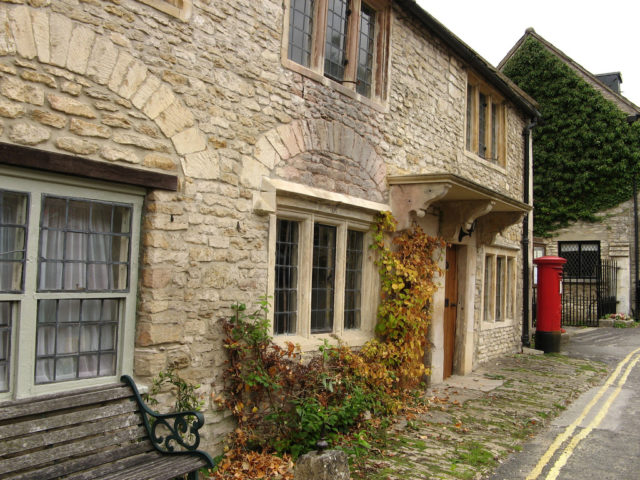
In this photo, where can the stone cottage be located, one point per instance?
(164, 159)
(589, 291)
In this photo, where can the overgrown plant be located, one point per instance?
(584, 153)
(185, 392)
(285, 403)
(408, 272)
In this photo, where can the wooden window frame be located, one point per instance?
(315, 70)
(508, 285)
(494, 102)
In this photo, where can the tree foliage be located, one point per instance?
(584, 151)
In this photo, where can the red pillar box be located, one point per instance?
(549, 312)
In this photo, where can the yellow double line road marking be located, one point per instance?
(564, 436)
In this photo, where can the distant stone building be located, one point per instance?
(164, 159)
(585, 244)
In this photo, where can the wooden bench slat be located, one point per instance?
(158, 468)
(149, 465)
(60, 402)
(71, 467)
(62, 419)
(41, 457)
(76, 434)
(89, 434)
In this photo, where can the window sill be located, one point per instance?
(495, 325)
(487, 163)
(375, 103)
(313, 342)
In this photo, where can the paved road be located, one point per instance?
(598, 436)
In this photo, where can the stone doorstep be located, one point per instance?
(473, 381)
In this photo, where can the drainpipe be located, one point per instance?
(631, 119)
(526, 297)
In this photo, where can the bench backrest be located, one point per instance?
(71, 432)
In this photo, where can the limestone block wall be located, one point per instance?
(614, 231)
(209, 101)
(493, 343)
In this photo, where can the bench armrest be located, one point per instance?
(181, 427)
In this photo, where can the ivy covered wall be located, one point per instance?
(584, 151)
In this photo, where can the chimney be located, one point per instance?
(611, 80)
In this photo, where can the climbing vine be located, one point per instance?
(284, 402)
(584, 152)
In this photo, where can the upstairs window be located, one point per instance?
(343, 40)
(485, 130)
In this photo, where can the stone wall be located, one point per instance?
(495, 342)
(209, 101)
(614, 231)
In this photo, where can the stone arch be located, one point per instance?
(282, 144)
(72, 50)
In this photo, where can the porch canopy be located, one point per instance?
(466, 206)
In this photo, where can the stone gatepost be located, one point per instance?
(323, 465)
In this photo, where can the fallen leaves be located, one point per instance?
(248, 465)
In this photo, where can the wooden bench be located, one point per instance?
(105, 433)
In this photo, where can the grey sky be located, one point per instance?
(601, 36)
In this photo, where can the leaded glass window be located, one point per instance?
(286, 278)
(323, 277)
(6, 321)
(353, 280)
(366, 50)
(84, 245)
(76, 338)
(13, 239)
(300, 30)
(500, 287)
(336, 39)
(482, 126)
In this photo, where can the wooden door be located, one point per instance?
(450, 310)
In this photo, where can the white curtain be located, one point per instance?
(13, 208)
(76, 243)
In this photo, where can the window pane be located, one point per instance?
(76, 339)
(322, 279)
(13, 238)
(300, 30)
(286, 278)
(366, 50)
(6, 311)
(495, 131)
(582, 258)
(353, 279)
(336, 39)
(488, 288)
(84, 245)
(482, 125)
(470, 116)
(500, 285)
(511, 307)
